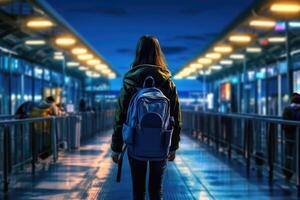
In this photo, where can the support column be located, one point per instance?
(290, 78)
(244, 95)
(10, 84)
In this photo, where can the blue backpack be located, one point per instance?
(149, 126)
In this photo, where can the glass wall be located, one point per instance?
(263, 92)
(22, 81)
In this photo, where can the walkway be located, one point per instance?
(196, 174)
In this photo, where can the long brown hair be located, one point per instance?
(148, 51)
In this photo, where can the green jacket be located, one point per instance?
(133, 79)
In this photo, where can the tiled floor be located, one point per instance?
(196, 174)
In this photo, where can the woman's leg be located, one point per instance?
(157, 169)
(138, 176)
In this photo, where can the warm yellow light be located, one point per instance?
(35, 42)
(106, 71)
(187, 71)
(223, 49)
(93, 62)
(237, 56)
(288, 8)
(262, 23)
(240, 38)
(253, 49)
(196, 65)
(226, 62)
(79, 50)
(39, 24)
(72, 64)
(101, 67)
(276, 39)
(213, 55)
(204, 61)
(85, 56)
(65, 41)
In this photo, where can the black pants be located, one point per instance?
(139, 173)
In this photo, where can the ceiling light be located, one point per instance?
(187, 71)
(35, 42)
(85, 56)
(39, 24)
(89, 73)
(58, 57)
(178, 77)
(82, 68)
(294, 24)
(237, 56)
(112, 76)
(58, 53)
(223, 49)
(106, 71)
(72, 64)
(191, 77)
(207, 72)
(287, 8)
(262, 23)
(253, 49)
(65, 41)
(213, 55)
(95, 75)
(240, 38)
(79, 50)
(204, 60)
(276, 39)
(101, 67)
(226, 62)
(93, 62)
(216, 67)
(196, 65)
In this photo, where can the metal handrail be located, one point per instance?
(249, 134)
(251, 117)
(60, 128)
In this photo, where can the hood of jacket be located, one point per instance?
(135, 77)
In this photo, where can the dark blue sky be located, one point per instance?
(182, 26)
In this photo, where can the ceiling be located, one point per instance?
(184, 28)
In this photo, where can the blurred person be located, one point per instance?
(44, 108)
(82, 105)
(291, 112)
(25, 109)
(149, 62)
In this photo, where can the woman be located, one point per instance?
(149, 61)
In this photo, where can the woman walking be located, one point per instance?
(149, 62)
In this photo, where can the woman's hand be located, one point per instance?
(115, 157)
(171, 156)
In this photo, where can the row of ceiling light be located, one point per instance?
(222, 54)
(84, 59)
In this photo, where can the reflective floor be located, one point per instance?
(196, 174)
